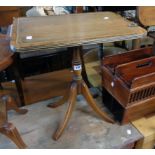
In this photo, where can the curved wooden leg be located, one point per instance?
(60, 102)
(11, 103)
(9, 130)
(71, 102)
(91, 102)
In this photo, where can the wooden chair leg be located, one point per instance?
(3, 111)
(92, 103)
(101, 52)
(136, 43)
(71, 102)
(60, 102)
(9, 130)
(11, 103)
(18, 78)
(6, 128)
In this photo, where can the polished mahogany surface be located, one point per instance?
(31, 33)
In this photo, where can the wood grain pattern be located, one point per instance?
(145, 126)
(7, 60)
(41, 87)
(3, 112)
(123, 83)
(146, 15)
(9, 130)
(139, 110)
(7, 13)
(5, 54)
(112, 61)
(129, 113)
(139, 68)
(71, 30)
(131, 83)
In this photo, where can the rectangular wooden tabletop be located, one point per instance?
(33, 33)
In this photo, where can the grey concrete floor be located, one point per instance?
(84, 131)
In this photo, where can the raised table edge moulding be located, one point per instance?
(34, 33)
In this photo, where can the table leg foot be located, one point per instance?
(71, 102)
(12, 105)
(60, 102)
(92, 103)
(9, 130)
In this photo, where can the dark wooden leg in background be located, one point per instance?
(101, 52)
(1, 87)
(19, 87)
(152, 35)
(18, 79)
(136, 43)
(8, 129)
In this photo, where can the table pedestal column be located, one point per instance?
(78, 86)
